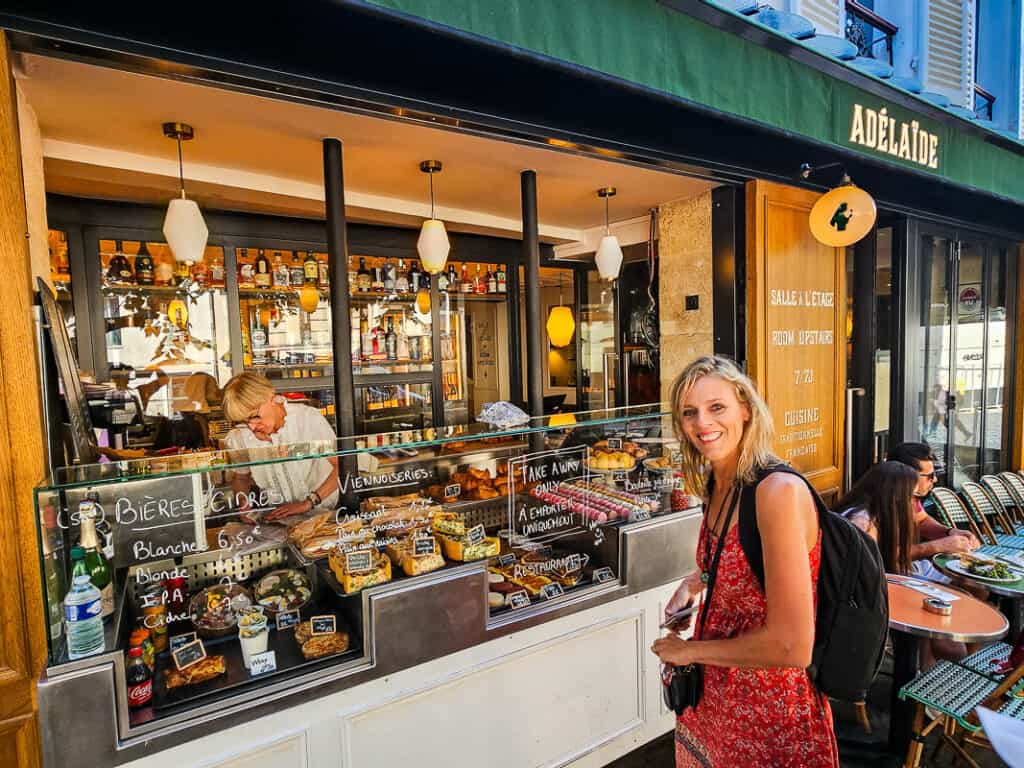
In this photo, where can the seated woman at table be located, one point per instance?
(883, 505)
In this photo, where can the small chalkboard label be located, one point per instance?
(614, 443)
(423, 545)
(261, 663)
(573, 563)
(287, 619)
(181, 640)
(453, 491)
(323, 625)
(676, 457)
(506, 560)
(518, 599)
(638, 515)
(189, 654)
(359, 562)
(475, 535)
(551, 591)
(619, 476)
(601, 575)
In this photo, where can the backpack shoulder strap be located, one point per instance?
(750, 536)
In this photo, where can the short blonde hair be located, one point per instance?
(758, 433)
(244, 394)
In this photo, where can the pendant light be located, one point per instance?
(561, 325)
(184, 228)
(609, 252)
(433, 245)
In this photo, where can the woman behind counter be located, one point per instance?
(759, 706)
(262, 418)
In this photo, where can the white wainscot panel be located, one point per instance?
(289, 752)
(545, 706)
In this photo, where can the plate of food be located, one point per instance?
(659, 464)
(984, 570)
(285, 589)
(215, 610)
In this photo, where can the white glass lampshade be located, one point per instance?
(561, 326)
(609, 257)
(433, 246)
(185, 230)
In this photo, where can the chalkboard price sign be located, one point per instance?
(475, 535)
(619, 476)
(506, 560)
(423, 545)
(519, 599)
(453, 491)
(614, 443)
(323, 625)
(287, 619)
(601, 575)
(359, 562)
(551, 591)
(189, 654)
(181, 640)
(639, 515)
(261, 663)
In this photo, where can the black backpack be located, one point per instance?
(853, 598)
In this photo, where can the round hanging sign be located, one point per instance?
(843, 216)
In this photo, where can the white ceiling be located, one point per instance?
(102, 138)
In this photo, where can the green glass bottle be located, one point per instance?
(98, 567)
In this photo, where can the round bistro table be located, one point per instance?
(972, 621)
(1012, 592)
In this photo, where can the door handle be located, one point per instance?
(851, 392)
(606, 368)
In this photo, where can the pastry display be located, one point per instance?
(459, 548)
(495, 600)
(316, 535)
(283, 590)
(403, 555)
(215, 610)
(450, 524)
(378, 573)
(533, 583)
(318, 646)
(596, 502)
(659, 464)
(200, 672)
(609, 461)
(633, 449)
(478, 485)
(303, 631)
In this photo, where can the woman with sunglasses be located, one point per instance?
(264, 418)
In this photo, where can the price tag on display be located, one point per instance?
(614, 443)
(261, 663)
(518, 599)
(452, 491)
(676, 457)
(359, 562)
(551, 591)
(475, 535)
(323, 625)
(601, 575)
(423, 545)
(181, 640)
(506, 560)
(189, 654)
(619, 477)
(287, 619)
(638, 515)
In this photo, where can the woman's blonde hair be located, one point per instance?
(244, 394)
(758, 432)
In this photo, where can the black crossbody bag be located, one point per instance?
(682, 687)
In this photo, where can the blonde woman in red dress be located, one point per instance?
(758, 706)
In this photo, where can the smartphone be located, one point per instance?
(679, 615)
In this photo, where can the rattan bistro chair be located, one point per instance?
(953, 513)
(1015, 485)
(985, 510)
(998, 490)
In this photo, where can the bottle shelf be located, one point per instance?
(155, 290)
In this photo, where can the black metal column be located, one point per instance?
(337, 263)
(531, 262)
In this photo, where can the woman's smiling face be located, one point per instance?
(714, 418)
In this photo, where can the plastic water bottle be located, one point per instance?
(82, 612)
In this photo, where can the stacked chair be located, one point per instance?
(955, 513)
(991, 516)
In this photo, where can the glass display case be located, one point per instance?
(223, 598)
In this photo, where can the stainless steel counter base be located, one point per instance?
(84, 723)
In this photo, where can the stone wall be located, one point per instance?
(684, 269)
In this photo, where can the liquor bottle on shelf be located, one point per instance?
(391, 340)
(403, 339)
(259, 341)
(310, 269)
(414, 276)
(443, 281)
(119, 271)
(466, 284)
(246, 278)
(323, 273)
(363, 279)
(282, 275)
(100, 573)
(499, 278)
(377, 281)
(217, 269)
(200, 273)
(355, 338)
(492, 282)
(402, 278)
(144, 271)
(296, 275)
(479, 282)
(182, 272)
(389, 276)
(261, 272)
(453, 279)
(365, 339)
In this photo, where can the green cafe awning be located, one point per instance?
(647, 44)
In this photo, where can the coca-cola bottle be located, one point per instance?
(140, 679)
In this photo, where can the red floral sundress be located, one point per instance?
(752, 717)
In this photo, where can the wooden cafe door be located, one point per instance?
(796, 331)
